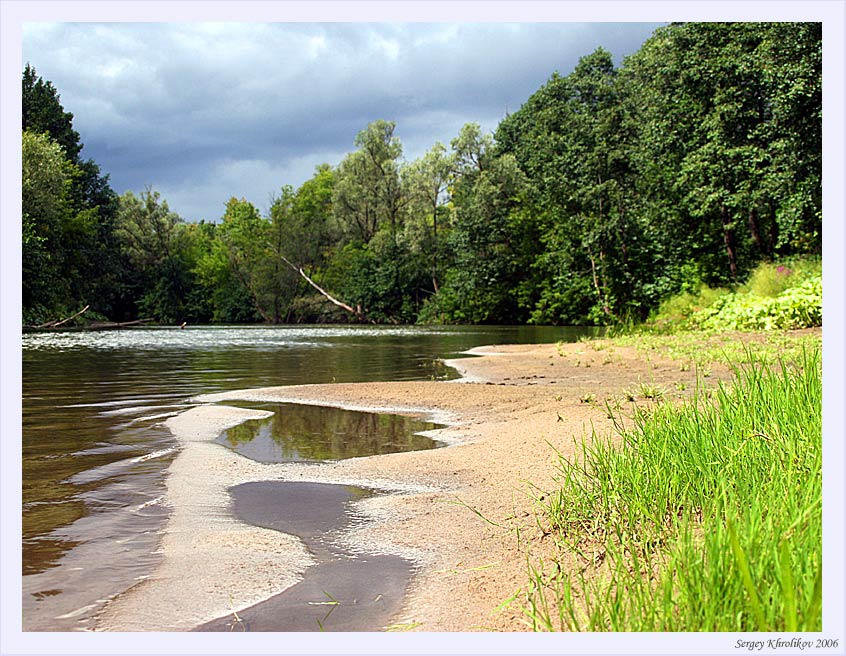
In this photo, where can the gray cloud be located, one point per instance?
(204, 111)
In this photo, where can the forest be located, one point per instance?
(608, 191)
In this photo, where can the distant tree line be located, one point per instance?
(609, 190)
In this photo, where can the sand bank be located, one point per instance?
(463, 514)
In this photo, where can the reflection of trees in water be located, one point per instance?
(394, 359)
(42, 553)
(321, 433)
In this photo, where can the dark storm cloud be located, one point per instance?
(205, 111)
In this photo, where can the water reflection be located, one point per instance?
(299, 432)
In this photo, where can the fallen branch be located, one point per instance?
(94, 325)
(122, 324)
(356, 311)
(56, 324)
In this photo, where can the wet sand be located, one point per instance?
(345, 590)
(213, 563)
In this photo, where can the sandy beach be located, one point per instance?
(463, 514)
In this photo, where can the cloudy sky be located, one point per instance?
(206, 111)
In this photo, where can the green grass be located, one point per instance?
(679, 308)
(706, 518)
(703, 347)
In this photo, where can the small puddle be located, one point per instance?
(310, 433)
(345, 590)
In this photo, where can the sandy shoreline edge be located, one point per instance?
(454, 511)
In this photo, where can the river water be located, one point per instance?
(95, 451)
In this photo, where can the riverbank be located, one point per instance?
(464, 514)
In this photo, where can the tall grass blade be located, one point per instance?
(787, 590)
(745, 575)
(815, 605)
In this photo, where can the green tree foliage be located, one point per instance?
(247, 240)
(428, 180)
(368, 193)
(219, 295)
(572, 141)
(684, 166)
(483, 239)
(42, 111)
(791, 57)
(311, 227)
(45, 182)
(151, 239)
(197, 241)
(70, 250)
(610, 190)
(305, 233)
(376, 267)
(733, 172)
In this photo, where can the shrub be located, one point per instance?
(683, 305)
(796, 307)
(769, 279)
(782, 296)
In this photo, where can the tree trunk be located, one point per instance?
(755, 229)
(773, 230)
(435, 246)
(602, 297)
(56, 324)
(354, 310)
(728, 240)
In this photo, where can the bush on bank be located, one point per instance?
(784, 296)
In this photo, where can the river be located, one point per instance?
(95, 452)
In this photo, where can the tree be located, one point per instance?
(729, 142)
(428, 180)
(671, 171)
(96, 253)
(159, 278)
(571, 140)
(246, 238)
(45, 182)
(42, 111)
(790, 56)
(373, 267)
(483, 239)
(83, 253)
(218, 293)
(368, 191)
(305, 234)
(313, 229)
